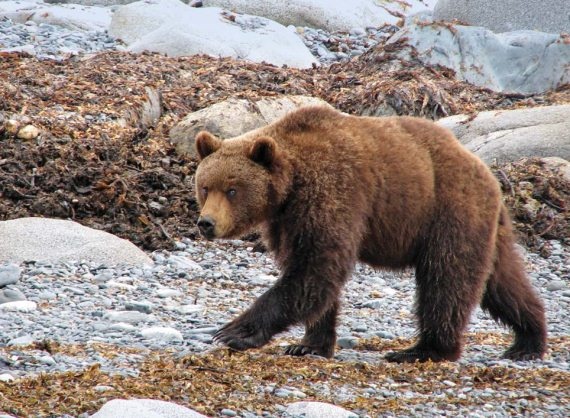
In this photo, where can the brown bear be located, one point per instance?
(327, 189)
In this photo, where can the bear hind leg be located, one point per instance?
(450, 274)
(320, 336)
(510, 299)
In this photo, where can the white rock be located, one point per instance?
(68, 16)
(162, 333)
(189, 309)
(183, 262)
(6, 377)
(517, 62)
(28, 132)
(234, 117)
(326, 14)
(22, 341)
(19, 306)
(27, 239)
(144, 408)
(509, 135)
(123, 326)
(175, 29)
(168, 293)
(318, 410)
(507, 15)
(130, 317)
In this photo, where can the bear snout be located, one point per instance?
(207, 226)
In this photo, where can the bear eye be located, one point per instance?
(231, 193)
(205, 192)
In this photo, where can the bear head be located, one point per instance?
(239, 182)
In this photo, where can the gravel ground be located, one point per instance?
(180, 301)
(55, 42)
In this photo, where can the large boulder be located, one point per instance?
(508, 135)
(551, 16)
(325, 14)
(72, 17)
(317, 410)
(144, 408)
(516, 62)
(61, 241)
(234, 117)
(170, 27)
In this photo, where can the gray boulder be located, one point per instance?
(317, 410)
(508, 135)
(144, 408)
(524, 62)
(324, 14)
(60, 241)
(234, 117)
(172, 28)
(551, 16)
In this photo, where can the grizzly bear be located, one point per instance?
(326, 190)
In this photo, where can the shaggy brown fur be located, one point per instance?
(328, 190)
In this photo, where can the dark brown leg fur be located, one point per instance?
(450, 274)
(510, 299)
(320, 337)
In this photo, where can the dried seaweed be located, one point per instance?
(104, 159)
(223, 379)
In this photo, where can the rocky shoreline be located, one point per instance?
(81, 311)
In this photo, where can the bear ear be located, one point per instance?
(263, 151)
(206, 144)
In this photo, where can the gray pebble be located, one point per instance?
(11, 295)
(556, 285)
(347, 342)
(9, 274)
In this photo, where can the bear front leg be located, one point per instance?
(320, 336)
(255, 327)
(302, 294)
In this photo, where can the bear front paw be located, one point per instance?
(240, 336)
(303, 350)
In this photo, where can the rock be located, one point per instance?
(144, 408)
(503, 136)
(27, 239)
(22, 341)
(175, 29)
(9, 274)
(70, 17)
(129, 317)
(523, 62)
(558, 165)
(168, 293)
(556, 285)
(317, 410)
(12, 126)
(324, 14)
(6, 377)
(28, 133)
(508, 15)
(162, 334)
(347, 342)
(234, 117)
(144, 307)
(11, 295)
(19, 306)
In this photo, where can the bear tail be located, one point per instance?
(510, 298)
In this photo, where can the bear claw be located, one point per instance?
(304, 350)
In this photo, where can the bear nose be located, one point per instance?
(206, 225)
